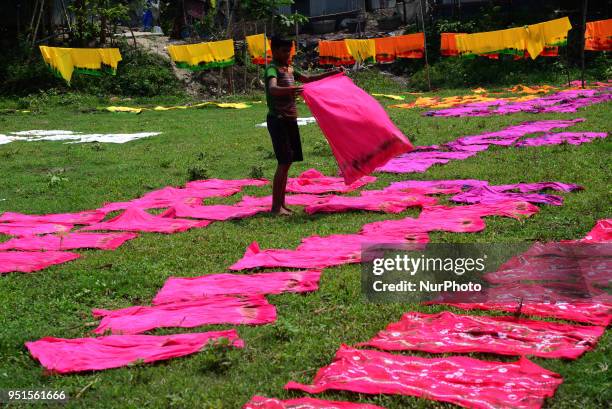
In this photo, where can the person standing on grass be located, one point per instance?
(281, 93)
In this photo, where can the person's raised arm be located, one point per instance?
(277, 91)
(310, 78)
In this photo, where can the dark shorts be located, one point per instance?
(286, 140)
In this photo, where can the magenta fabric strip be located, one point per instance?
(313, 181)
(372, 200)
(220, 309)
(64, 356)
(136, 219)
(69, 241)
(31, 228)
(87, 217)
(177, 289)
(572, 138)
(214, 212)
(29, 261)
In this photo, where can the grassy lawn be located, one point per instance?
(226, 143)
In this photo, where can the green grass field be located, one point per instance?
(57, 301)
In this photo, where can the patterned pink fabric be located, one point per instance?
(490, 194)
(87, 217)
(135, 219)
(69, 241)
(467, 382)
(31, 228)
(221, 309)
(178, 289)
(446, 332)
(214, 212)
(435, 186)
(260, 402)
(424, 157)
(372, 200)
(562, 101)
(29, 261)
(357, 127)
(572, 138)
(63, 356)
(313, 181)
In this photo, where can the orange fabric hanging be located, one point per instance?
(410, 45)
(334, 53)
(448, 44)
(598, 35)
(385, 49)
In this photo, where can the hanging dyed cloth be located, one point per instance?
(358, 129)
(334, 53)
(203, 56)
(362, 50)
(598, 35)
(257, 48)
(448, 44)
(64, 61)
(410, 45)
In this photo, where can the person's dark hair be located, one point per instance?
(280, 42)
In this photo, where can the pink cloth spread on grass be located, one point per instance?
(321, 252)
(291, 200)
(358, 129)
(435, 186)
(31, 228)
(212, 184)
(560, 102)
(178, 289)
(260, 402)
(572, 138)
(29, 261)
(446, 332)
(87, 217)
(220, 309)
(490, 194)
(135, 219)
(424, 157)
(601, 233)
(214, 212)
(372, 200)
(313, 181)
(168, 196)
(69, 241)
(467, 382)
(63, 356)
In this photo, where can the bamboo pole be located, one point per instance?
(584, 14)
(425, 46)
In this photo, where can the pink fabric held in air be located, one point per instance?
(467, 382)
(221, 309)
(69, 241)
(313, 181)
(446, 332)
(63, 356)
(178, 289)
(87, 217)
(135, 219)
(260, 402)
(30, 261)
(358, 129)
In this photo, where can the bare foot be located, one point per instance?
(286, 208)
(281, 212)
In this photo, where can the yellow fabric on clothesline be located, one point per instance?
(255, 44)
(361, 50)
(532, 38)
(64, 60)
(202, 53)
